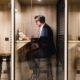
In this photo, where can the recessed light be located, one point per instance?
(39, 0)
(16, 10)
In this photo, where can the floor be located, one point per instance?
(58, 73)
(23, 71)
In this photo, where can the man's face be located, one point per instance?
(38, 22)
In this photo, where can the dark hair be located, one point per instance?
(41, 18)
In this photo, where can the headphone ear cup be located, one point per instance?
(41, 19)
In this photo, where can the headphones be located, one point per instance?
(41, 18)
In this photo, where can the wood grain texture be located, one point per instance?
(74, 22)
(5, 20)
(74, 1)
(71, 64)
(4, 1)
(38, 2)
(74, 62)
(25, 19)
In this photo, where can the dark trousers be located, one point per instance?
(32, 55)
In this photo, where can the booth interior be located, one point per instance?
(5, 39)
(25, 10)
(73, 39)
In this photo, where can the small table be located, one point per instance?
(20, 44)
(72, 43)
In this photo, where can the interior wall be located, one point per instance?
(5, 26)
(74, 62)
(27, 22)
(17, 17)
(74, 22)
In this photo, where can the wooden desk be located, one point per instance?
(19, 44)
(22, 70)
(72, 43)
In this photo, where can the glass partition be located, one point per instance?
(73, 40)
(39, 44)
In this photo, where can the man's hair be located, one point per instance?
(41, 18)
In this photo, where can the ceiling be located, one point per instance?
(38, 2)
(4, 1)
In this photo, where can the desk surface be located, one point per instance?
(20, 44)
(72, 43)
(22, 41)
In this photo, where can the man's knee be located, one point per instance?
(28, 55)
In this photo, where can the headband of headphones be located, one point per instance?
(41, 18)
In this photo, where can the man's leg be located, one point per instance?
(30, 58)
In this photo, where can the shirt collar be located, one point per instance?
(42, 25)
(41, 28)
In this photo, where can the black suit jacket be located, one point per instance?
(46, 42)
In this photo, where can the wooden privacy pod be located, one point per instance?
(24, 19)
(5, 27)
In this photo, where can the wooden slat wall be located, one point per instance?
(25, 19)
(74, 22)
(5, 19)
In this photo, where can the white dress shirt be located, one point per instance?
(41, 28)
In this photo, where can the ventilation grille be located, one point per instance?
(60, 32)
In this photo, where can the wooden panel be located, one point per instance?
(74, 1)
(5, 20)
(4, 1)
(74, 22)
(38, 2)
(25, 20)
(17, 17)
(17, 5)
(74, 62)
(71, 64)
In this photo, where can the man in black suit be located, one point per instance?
(46, 45)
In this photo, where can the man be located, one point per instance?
(46, 45)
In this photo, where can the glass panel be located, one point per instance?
(45, 31)
(73, 39)
(39, 30)
(22, 26)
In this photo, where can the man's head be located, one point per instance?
(40, 19)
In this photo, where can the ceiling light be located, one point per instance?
(16, 10)
(39, 0)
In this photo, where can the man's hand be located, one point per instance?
(24, 36)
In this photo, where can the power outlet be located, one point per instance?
(6, 39)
